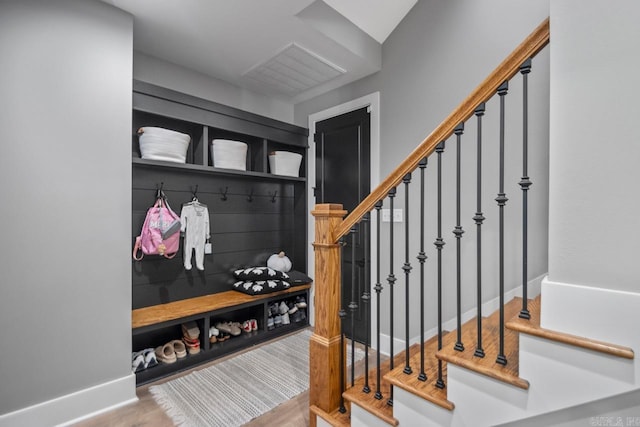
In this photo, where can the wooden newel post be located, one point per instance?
(324, 347)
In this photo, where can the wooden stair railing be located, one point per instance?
(535, 42)
(326, 385)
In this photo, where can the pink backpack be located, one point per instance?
(160, 232)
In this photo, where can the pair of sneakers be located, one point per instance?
(250, 325)
(216, 335)
(299, 315)
(300, 302)
(141, 360)
(281, 319)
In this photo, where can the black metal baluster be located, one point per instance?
(525, 183)
(502, 201)
(391, 279)
(342, 313)
(439, 243)
(422, 257)
(407, 271)
(366, 297)
(479, 218)
(353, 305)
(378, 289)
(458, 231)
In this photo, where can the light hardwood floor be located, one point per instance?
(145, 412)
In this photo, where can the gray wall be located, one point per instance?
(65, 169)
(166, 74)
(438, 54)
(595, 89)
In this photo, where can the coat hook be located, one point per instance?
(195, 193)
(273, 196)
(159, 192)
(250, 196)
(224, 193)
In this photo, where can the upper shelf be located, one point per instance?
(166, 102)
(211, 170)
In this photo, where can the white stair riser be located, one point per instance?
(565, 375)
(600, 314)
(362, 418)
(411, 410)
(481, 400)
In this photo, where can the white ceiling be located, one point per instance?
(378, 18)
(231, 39)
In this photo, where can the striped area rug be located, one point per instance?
(241, 388)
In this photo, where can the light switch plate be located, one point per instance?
(397, 215)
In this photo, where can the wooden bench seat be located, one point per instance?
(178, 309)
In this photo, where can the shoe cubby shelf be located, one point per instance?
(155, 325)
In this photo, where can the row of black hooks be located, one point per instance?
(223, 193)
(225, 190)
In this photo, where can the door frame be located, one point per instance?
(372, 102)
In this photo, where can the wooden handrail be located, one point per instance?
(535, 42)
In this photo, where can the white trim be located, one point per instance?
(372, 102)
(77, 406)
(533, 290)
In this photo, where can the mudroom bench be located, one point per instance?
(254, 211)
(162, 323)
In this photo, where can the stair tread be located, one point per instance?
(425, 389)
(532, 327)
(367, 401)
(487, 365)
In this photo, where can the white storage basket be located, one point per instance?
(285, 163)
(163, 144)
(229, 154)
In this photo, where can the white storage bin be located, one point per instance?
(163, 144)
(229, 154)
(285, 163)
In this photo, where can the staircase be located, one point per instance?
(519, 363)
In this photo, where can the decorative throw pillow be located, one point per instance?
(298, 278)
(260, 286)
(259, 273)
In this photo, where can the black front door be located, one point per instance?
(343, 176)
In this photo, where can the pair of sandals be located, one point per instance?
(231, 328)
(142, 360)
(191, 337)
(171, 351)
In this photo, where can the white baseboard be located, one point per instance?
(533, 290)
(74, 407)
